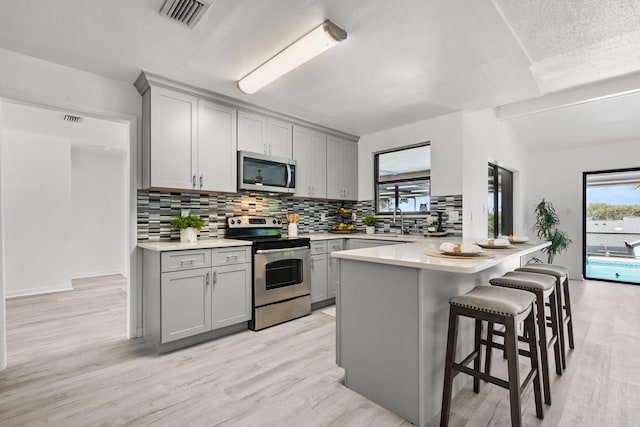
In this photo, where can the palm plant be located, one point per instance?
(546, 228)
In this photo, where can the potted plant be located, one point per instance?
(370, 223)
(188, 226)
(546, 228)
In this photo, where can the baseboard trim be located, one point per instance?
(96, 274)
(37, 291)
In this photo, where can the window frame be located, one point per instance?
(506, 217)
(377, 182)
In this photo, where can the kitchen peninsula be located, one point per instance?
(392, 314)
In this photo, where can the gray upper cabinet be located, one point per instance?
(342, 169)
(279, 138)
(252, 132)
(217, 161)
(264, 135)
(310, 154)
(188, 143)
(170, 139)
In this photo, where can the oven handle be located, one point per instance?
(270, 251)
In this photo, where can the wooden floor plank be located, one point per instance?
(70, 364)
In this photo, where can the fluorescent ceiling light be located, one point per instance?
(312, 44)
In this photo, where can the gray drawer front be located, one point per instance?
(233, 255)
(319, 247)
(336, 245)
(185, 260)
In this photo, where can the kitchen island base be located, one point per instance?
(392, 331)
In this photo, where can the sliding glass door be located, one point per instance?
(500, 201)
(611, 228)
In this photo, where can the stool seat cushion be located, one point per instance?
(502, 301)
(526, 281)
(551, 269)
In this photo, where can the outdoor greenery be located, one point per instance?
(369, 219)
(604, 211)
(490, 225)
(183, 222)
(546, 228)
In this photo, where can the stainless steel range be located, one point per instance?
(281, 273)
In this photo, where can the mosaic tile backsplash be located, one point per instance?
(156, 209)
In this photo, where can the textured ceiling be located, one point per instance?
(403, 60)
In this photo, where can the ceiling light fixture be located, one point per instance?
(312, 44)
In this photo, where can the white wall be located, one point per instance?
(33, 80)
(3, 318)
(445, 134)
(97, 212)
(36, 179)
(557, 176)
(488, 140)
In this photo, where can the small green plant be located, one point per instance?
(183, 222)
(369, 220)
(546, 228)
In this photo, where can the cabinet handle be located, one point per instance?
(190, 261)
(232, 257)
(264, 148)
(269, 148)
(206, 280)
(200, 180)
(193, 180)
(215, 277)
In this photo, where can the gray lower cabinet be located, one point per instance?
(319, 283)
(194, 294)
(185, 303)
(231, 299)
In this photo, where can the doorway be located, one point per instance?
(611, 226)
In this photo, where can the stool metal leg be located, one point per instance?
(555, 330)
(561, 323)
(533, 355)
(567, 304)
(488, 348)
(476, 361)
(452, 337)
(511, 343)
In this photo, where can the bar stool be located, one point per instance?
(544, 288)
(561, 273)
(503, 306)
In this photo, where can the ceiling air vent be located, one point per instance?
(72, 119)
(185, 12)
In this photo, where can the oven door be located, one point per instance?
(281, 274)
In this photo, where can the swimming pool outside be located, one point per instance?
(614, 269)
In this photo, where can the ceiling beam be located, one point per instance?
(610, 88)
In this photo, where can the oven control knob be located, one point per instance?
(233, 222)
(274, 221)
(279, 222)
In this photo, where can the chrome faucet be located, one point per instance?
(401, 219)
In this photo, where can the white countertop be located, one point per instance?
(200, 244)
(414, 255)
(385, 236)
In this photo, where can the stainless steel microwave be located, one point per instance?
(261, 172)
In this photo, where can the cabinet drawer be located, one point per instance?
(234, 255)
(336, 245)
(319, 247)
(185, 260)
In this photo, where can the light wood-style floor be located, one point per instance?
(69, 364)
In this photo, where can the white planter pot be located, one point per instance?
(371, 229)
(188, 235)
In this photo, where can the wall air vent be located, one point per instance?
(185, 12)
(72, 119)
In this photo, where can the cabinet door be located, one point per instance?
(252, 132)
(319, 278)
(350, 177)
(185, 302)
(231, 295)
(342, 169)
(302, 156)
(318, 164)
(334, 276)
(335, 168)
(217, 161)
(173, 138)
(279, 138)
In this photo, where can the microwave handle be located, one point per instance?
(288, 176)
